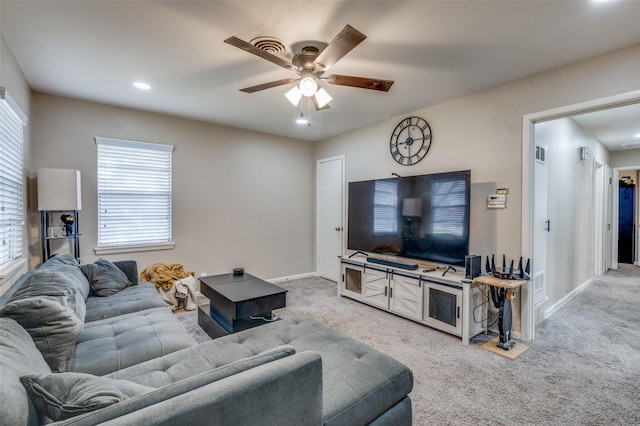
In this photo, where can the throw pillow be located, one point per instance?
(104, 277)
(64, 395)
(49, 306)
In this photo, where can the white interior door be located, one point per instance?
(599, 219)
(608, 241)
(541, 225)
(330, 216)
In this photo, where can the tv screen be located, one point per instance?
(423, 217)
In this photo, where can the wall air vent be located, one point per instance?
(540, 154)
(630, 145)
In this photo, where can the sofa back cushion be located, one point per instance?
(67, 263)
(130, 269)
(104, 277)
(50, 306)
(18, 357)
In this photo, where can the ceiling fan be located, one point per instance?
(311, 64)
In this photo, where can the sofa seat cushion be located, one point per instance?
(275, 388)
(111, 344)
(359, 382)
(178, 384)
(191, 361)
(132, 299)
(18, 357)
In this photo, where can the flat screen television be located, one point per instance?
(424, 217)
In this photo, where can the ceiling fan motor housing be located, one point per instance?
(305, 59)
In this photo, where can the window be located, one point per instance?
(12, 122)
(134, 195)
(448, 203)
(385, 201)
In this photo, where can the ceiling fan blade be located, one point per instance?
(268, 85)
(248, 47)
(362, 82)
(342, 44)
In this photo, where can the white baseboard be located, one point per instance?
(292, 277)
(560, 303)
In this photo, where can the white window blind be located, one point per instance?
(134, 193)
(448, 201)
(385, 213)
(12, 122)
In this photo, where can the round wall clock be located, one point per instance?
(410, 141)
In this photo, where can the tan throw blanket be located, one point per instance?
(163, 275)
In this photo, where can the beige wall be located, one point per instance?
(483, 131)
(240, 198)
(625, 158)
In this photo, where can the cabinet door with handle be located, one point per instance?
(406, 296)
(376, 288)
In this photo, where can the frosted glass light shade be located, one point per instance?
(308, 86)
(322, 97)
(59, 189)
(294, 95)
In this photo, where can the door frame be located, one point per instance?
(615, 189)
(528, 157)
(599, 207)
(343, 214)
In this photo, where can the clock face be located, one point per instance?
(410, 141)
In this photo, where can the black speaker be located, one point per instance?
(472, 266)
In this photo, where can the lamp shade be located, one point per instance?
(412, 207)
(59, 189)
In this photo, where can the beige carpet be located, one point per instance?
(583, 367)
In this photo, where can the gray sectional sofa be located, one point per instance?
(88, 344)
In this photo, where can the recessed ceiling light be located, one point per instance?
(638, 135)
(141, 85)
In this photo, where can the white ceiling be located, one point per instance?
(617, 128)
(434, 50)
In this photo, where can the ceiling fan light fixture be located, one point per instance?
(322, 97)
(308, 86)
(294, 95)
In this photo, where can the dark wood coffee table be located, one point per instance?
(237, 302)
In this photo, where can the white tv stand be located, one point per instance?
(444, 303)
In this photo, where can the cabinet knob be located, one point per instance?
(338, 228)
